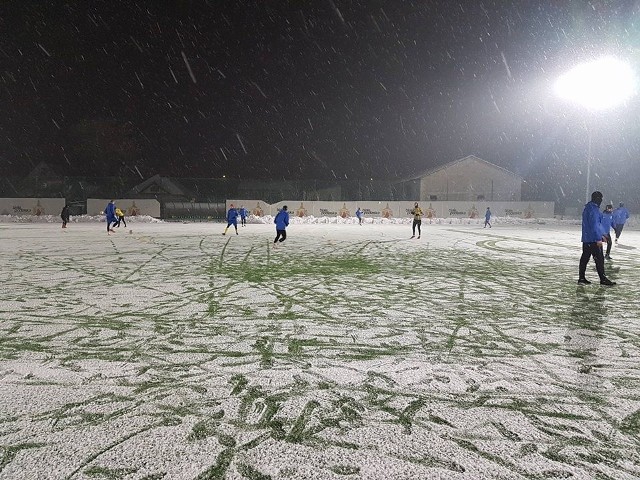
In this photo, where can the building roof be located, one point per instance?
(162, 184)
(43, 171)
(461, 160)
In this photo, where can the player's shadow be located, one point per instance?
(584, 335)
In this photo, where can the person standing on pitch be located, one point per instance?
(592, 236)
(232, 219)
(620, 216)
(487, 218)
(243, 216)
(607, 222)
(359, 214)
(120, 217)
(110, 213)
(282, 222)
(417, 220)
(64, 215)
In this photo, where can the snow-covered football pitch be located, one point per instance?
(349, 352)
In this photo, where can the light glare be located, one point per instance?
(597, 85)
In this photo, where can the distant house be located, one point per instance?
(467, 179)
(42, 181)
(160, 188)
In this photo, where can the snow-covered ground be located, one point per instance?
(173, 352)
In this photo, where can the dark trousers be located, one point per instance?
(121, 219)
(607, 237)
(591, 250)
(416, 223)
(243, 221)
(281, 236)
(618, 229)
(65, 220)
(109, 224)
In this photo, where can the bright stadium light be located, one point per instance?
(599, 84)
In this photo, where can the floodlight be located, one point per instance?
(599, 84)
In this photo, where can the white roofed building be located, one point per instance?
(467, 179)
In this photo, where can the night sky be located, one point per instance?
(309, 89)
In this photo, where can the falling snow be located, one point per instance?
(249, 89)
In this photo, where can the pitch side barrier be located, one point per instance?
(260, 208)
(383, 209)
(130, 206)
(31, 206)
(194, 211)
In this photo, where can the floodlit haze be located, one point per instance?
(325, 89)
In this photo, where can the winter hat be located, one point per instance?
(596, 197)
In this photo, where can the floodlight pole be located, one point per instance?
(588, 193)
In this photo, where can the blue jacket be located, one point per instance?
(359, 213)
(592, 230)
(620, 215)
(110, 212)
(487, 215)
(281, 220)
(243, 212)
(607, 221)
(232, 216)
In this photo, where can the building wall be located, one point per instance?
(466, 181)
